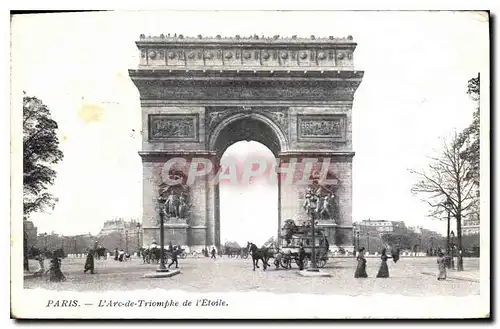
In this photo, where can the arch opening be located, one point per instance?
(248, 208)
(249, 127)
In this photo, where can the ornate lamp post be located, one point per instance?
(161, 204)
(313, 267)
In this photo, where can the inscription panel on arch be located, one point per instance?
(321, 127)
(173, 127)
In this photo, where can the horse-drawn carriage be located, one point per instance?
(290, 249)
(293, 237)
(151, 254)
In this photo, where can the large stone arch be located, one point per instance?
(269, 134)
(200, 95)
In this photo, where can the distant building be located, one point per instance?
(470, 225)
(381, 226)
(31, 232)
(121, 234)
(119, 225)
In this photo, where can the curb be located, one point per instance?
(162, 274)
(453, 277)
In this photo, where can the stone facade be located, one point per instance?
(200, 95)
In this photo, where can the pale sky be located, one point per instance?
(414, 91)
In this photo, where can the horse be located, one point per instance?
(262, 254)
(144, 253)
(154, 254)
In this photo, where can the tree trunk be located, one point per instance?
(460, 261)
(25, 253)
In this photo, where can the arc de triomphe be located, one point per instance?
(200, 95)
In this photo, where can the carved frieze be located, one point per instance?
(277, 114)
(173, 127)
(235, 90)
(322, 127)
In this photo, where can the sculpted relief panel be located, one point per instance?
(313, 127)
(173, 127)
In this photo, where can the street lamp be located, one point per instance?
(452, 260)
(313, 267)
(357, 238)
(138, 239)
(311, 211)
(354, 241)
(368, 242)
(126, 241)
(161, 204)
(447, 206)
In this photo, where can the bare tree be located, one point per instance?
(446, 187)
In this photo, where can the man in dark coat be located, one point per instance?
(89, 263)
(302, 256)
(173, 255)
(213, 253)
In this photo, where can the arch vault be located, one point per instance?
(200, 95)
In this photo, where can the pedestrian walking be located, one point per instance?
(277, 260)
(213, 252)
(56, 275)
(121, 254)
(116, 253)
(361, 267)
(302, 256)
(173, 255)
(89, 263)
(41, 263)
(441, 261)
(383, 271)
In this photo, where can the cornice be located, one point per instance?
(159, 156)
(239, 40)
(267, 53)
(335, 156)
(246, 74)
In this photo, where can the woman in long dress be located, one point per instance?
(55, 270)
(383, 271)
(441, 261)
(361, 268)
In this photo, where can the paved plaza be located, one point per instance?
(410, 277)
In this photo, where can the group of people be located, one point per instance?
(55, 273)
(213, 253)
(383, 271)
(121, 255)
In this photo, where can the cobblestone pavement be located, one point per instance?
(410, 277)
